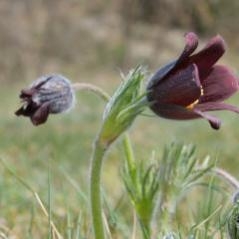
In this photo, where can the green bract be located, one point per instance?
(126, 103)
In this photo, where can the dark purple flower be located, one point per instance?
(49, 94)
(192, 85)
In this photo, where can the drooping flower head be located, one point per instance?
(50, 94)
(188, 87)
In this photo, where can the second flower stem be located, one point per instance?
(92, 88)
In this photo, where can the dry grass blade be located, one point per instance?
(107, 226)
(38, 199)
(47, 215)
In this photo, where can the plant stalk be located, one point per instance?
(98, 154)
(92, 88)
(227, 177)
(95, 182)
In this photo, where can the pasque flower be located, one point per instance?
(50, 94)
(188, 87)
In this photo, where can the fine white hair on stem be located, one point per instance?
(231, 180)
(93, 88)
(227, 176)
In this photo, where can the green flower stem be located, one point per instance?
(99, 151)
(92, 88)
(98, 154)
(96, 166)
(95, 182)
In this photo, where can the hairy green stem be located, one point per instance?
(99, 151)
(92, 88)
(96, 165)
(95, 182)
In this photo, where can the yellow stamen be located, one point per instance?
(192, 105)
(196, 101)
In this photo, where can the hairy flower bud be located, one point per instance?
(50, 94)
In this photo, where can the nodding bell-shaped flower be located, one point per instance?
(192, 85)
(50, 94)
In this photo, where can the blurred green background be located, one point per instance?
(92, 41)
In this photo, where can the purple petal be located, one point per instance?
(41, 115)
(27, 110)
(213, 106)
(213, 121)
(220, 84)
(176, 112)
(209, 55)
(160, 74)
(190, 46)
(182, 88)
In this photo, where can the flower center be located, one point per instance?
(191, 106)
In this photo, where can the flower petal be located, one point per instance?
(190, 46)
(27, 110)
(160, 74)
(176, 112)
(41, 115)
(182, 88)
(220, 84)
(209, 55)
(213, 121)
(213, 106)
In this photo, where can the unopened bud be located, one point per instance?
(50, 94)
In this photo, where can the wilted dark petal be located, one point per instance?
(182, 88)
(209, 55)
(213, 106)
(191, 45)
(213, 121)
(41, 114)
(27, 93)
(20, 111)
(27, 110)
(220, 84)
